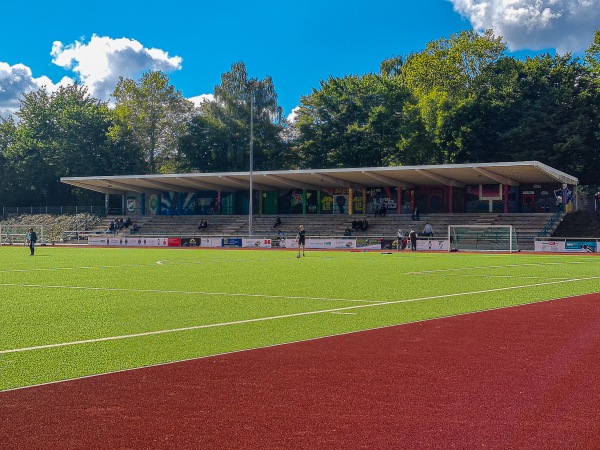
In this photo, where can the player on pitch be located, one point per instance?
(301, 238)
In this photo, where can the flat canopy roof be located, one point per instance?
(457, 175)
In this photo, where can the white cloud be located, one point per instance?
(291, 118)
(97, 65)
(18, 80)
(565, 25)
(101, 62)
(198, 100)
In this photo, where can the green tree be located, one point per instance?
(151, 116)
(446, 78)
(218, 137)
(544, 108)
(355, 121)
(58, 134)
(592, 57)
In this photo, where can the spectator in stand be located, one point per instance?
(382, 210)
(364, 224)
(277, 222)
(348, 232)
(428, 230)
(135, 228)
(203, 225)
(559, 202)
(415, 214)
(597, 201)
(127, 222)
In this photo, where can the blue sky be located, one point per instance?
(296, 43)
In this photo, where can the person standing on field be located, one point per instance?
(301, 239)
(413, 240)
(31, 239)
(400, 239)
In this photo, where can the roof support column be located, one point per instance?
(399, 199)
(505, 197)
(106, 203)
(318, 201)
(450, 197)
(350, 200)
(303, 201)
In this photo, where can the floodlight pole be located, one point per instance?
(250, 207)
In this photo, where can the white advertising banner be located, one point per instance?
(549, 246)
(128, 241)
(332, 243)
(97, 240)
(256, 243)
(211, 242)
(432, 245)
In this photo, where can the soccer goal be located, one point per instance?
(482, 238)
(16, 234)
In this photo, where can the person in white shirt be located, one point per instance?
(428, 230)
(400, 239)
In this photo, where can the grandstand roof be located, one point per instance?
(458, 175)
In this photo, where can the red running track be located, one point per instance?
(519, 378)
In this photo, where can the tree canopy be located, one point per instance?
(460, 100)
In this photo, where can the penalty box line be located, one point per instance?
(287, 316)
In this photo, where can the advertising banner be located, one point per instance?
(97, 240)
(211, 242)
(256, 243)
(581, 246)
(368, 244)
(190, 242)
(387, 244)
(549, 246)
(432, 245)
(174, 242)
(333, 243)
(232, 242)
(121, 241)
(116, 241)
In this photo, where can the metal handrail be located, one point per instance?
(556, 216)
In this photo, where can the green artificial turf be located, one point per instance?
(72, 312)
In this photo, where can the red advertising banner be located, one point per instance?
(174, 242)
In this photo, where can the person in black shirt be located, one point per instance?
(31, 238)
(301, 240)
(413, 240)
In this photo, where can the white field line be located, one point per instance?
(177, 262)
(504, 266)
(286, 316)
(175, 291)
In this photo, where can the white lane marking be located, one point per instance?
(287, 316)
